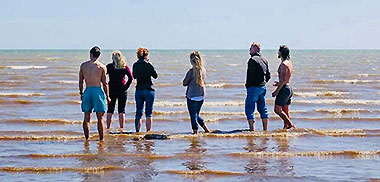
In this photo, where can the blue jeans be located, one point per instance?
(256, 95)
(194, 108)
(142, 96)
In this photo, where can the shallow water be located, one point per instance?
(335, 108)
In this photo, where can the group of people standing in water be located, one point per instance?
(96, 99)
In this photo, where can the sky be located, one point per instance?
(189, 24)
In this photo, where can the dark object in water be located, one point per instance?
(229, 132)
(156, 137)
(120, 132)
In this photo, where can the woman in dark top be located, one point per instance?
(118, 87)
(143, 71)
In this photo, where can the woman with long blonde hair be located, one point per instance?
(195, 92)
(118, 87)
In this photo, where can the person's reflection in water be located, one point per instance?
(92, 161)
(285, 164)
(194, 157)
(143, 165)
(257, 165)
(100, 159)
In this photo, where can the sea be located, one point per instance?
(335, 107)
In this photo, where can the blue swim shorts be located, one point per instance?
(93, 98)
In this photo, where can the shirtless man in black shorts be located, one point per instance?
(284, 92)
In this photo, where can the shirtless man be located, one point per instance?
(284, 92)
(94, 74)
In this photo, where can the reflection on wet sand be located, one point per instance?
(285, 164)
(257, 166)
(195, 161)
(144, 168)
(100, 160)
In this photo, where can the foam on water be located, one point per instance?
(343, 153)
(26, 67)
(60, 169)
(320, 94)
(19, 94)
(346, 81)
(205, 171)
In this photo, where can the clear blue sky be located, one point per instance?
(191, 24)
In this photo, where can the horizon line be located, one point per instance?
(173, 49)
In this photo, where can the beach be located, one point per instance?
(335, 108)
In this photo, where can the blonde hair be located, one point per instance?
(198, 70)
(118, 60)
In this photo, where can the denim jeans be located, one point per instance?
(142, 96)
(256, 95)
(194, 108)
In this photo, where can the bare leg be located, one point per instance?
(205, 128)
(251, 124)
(149, 121)
(86, 124)
(287, 123)
(109, 120)
(121, 120)
(286, 110)
(265, 124)
(100, 115)
(138, 125)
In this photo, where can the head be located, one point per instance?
(255, 48)
(94, 52)
(284, 52)
(142, 53)
(118, 60)
(197, 63)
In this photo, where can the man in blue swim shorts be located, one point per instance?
(93, 98)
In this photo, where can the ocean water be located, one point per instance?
(335, 108)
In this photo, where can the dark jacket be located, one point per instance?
(258, 71)
(143, 71)
(117, 77)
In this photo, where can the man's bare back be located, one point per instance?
(285, 71)
(93, 73)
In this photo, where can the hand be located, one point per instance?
(274, 94)
(108, 99)
(275, 83)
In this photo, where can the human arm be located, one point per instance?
(81, 78)
(105, 83)
(267, 74)
(153, 71)
(187, 78)
(251, 69)
(130, 77)
(283, 71)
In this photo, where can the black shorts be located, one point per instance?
(121, 97)
(284, 97)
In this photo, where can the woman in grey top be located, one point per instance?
(195, 91)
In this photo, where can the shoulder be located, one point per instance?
(101, 65)
(190, 71)
(284, 66)
(84, 64)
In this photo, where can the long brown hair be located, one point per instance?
(197, 63)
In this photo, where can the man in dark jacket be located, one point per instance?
(257, 76)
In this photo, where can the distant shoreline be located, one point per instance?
(188, 49)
